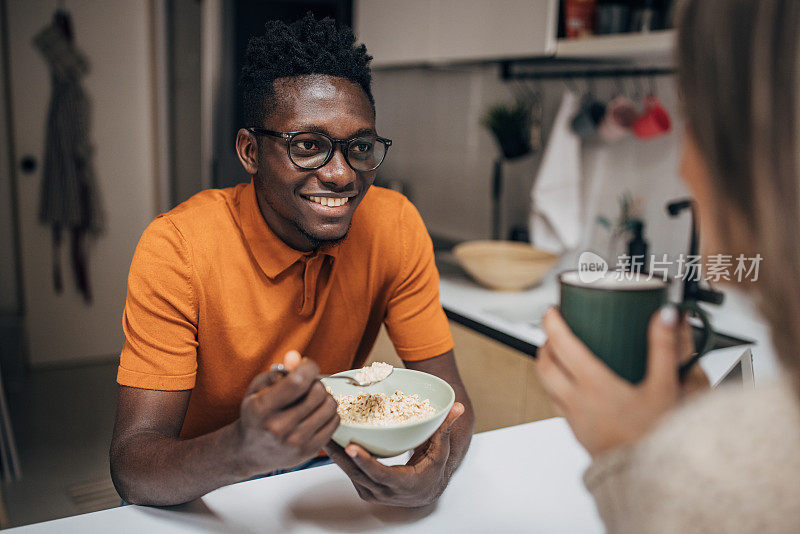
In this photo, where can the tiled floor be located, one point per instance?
(62, 420)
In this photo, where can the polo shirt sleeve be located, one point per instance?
(415, 320)
(160, 317)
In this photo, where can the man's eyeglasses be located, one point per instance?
(312, 150)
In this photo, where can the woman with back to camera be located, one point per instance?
(726, 460)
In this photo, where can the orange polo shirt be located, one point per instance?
(215, 298)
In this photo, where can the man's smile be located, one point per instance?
(331, 205)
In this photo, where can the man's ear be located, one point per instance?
(247, 150)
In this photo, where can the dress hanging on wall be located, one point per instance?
(69, 197)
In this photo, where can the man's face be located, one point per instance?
(290, 198)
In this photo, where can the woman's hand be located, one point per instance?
(604, 410)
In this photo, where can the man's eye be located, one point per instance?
(306, 145)
(362, 147)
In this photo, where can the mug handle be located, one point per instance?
(691, 308)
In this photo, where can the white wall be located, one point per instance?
(114, 35)
(445, 156)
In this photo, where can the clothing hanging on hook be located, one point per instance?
(63, 21)
(69, 199)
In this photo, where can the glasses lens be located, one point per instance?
(309, 150)
(366, 153)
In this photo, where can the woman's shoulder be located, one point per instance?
(735, 426)
(733, 445)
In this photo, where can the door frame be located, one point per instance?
(10, 149)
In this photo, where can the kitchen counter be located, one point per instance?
(525, 478)
(513, 318)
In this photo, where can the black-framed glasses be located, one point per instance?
(312, 150)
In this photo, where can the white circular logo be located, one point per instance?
(591, 267)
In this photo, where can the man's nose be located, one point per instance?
(337, 174)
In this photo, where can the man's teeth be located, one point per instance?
(326, 201)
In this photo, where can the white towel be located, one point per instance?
(556, 216)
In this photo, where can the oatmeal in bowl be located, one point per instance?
(391, 416)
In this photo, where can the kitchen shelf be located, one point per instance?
(657, 45)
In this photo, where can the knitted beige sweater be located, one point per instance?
(728, 462)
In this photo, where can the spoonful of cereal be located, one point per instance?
(366, 376)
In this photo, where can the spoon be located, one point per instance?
(349, 379)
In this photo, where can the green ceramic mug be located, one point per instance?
(611, 316)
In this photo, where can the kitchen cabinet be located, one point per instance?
(443, 31)
(652, 46)
(501, 382)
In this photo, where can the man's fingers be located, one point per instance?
(261, 381)
(368, 465)
(307, 424)
(324, 433)
(288, 389)
(455, 412)
(663, 348)
(297, 412)
(346, 463)
(291, 360)
(363, 484)
(439, 444)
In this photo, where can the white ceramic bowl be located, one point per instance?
(387, 441)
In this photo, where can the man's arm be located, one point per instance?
(426, 475)
(151, 465)
(284, 421)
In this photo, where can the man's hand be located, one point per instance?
(421, 481)
(285, 420)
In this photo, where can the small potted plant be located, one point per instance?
(511, 126)
(628, 223)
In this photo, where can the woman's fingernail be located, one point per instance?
(668, 315)
(351, 452)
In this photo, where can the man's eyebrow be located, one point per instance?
(364, 131)
(320, 129)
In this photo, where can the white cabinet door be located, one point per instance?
(396, 33)
(502, 29)
(437, 31)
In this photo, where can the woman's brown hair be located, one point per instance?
(738, 68)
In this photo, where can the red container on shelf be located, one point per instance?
(579, 18)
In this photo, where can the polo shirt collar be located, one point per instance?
(272, 254)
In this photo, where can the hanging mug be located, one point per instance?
(589, 117)
(620, 116)
(654, 121)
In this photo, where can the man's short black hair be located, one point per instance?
(307, 46)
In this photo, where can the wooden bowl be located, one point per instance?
(504, 265)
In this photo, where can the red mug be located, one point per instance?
(654, 121)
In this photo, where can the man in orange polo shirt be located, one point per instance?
(307, 259)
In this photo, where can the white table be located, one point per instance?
(519, 479)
